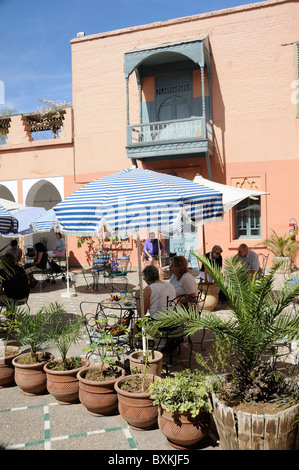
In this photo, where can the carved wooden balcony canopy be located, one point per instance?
(196, 50)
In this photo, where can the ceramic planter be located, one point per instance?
(154, 365)
(136, 408)
(99, 397)
(31, 378)
(63, 385)
(212, 295)
(7, 370)
(248, 431)
(183, 431)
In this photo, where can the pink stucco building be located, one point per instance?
(212, 94)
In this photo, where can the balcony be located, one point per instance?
(170, 139)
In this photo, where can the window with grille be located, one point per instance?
(248, 218)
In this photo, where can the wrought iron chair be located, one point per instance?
(178, 334)
(263, 264)
(110, 316)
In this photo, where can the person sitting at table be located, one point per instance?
(15, 250)
(151, 248)
(59, 249)
(249, 258)
(215, 258)
(181, 278)
(155, 294)
(14, 281)
(39, 263)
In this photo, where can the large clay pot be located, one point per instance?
(99, 397)
(7, 370)
(286, 264)
(212, 295)
(31, 378)
(136, 408)
(183, 431)
(154, 365)
(250, 431)
(63, 384)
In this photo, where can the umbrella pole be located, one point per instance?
(141, 292)
(67, 293)
(204, 248)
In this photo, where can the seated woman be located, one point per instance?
(14, 281)
(59, 249)
(155, 293)
(39, 263)
(182, 280)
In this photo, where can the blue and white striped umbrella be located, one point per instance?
(8, 223)
(25, 217)
(135, 199)
(46, 222)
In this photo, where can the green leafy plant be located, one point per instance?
(12, 321)
(186, 392)
(63, 335)
(104, 346)
(283, 246)
(33, 330)
(259, 321)
(145, 327)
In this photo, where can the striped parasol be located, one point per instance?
(135, 199)
(8, 223)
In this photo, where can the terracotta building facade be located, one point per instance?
(213, 94)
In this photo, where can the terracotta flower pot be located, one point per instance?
(31, 378)
(212, 295)
(183, 431)
(63, 384)
(7, 370)
(136, 408)
(99, 397)
(154, 365)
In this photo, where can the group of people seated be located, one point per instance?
(16, 280)
(157, 293)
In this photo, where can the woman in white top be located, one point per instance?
(182, 279)
(155, 293)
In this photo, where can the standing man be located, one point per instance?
(151, 248)
(249, 258)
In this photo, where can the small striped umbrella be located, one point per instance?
(8, 223)
(25, 217)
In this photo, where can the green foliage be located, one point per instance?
(281, 245)
(186, 392)
(64, 334)
(104, 346)
(33, 330)
(259, 319)
(12, 321)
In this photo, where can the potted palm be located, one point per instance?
(61, 373)
(96, 383)
(8, 327)
(133, 391)
(32, 331)
(183, 408)
(260, 321)
(153, 359)
(283, 248)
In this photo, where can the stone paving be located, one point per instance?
(40, 423)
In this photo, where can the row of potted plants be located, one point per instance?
(247, 374)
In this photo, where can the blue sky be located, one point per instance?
(35, 57)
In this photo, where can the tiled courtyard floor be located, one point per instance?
(40, 423)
